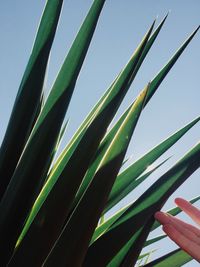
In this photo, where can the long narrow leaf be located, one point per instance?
(176, 258)
(124, 180)
(23, 187)
(48, 167)
(153, 240)
(66, 177)
(125, 256)
(161, 75)
(142, 256)
(27, 103)
(122, 258)
(175, 211)
(107, 93)
(142, 211)
(153, 87)
(104, 226)
(108, 139)
(58, 194)
(96, 194)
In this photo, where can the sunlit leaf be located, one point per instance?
(24, 185)
(140, 213)
(28, 102)
(176, 258)
(58, 194)
(97, 192)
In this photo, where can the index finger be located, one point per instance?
(189, 209)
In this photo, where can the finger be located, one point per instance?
(186, 231)
(165, 218)
(189, 209)
(186, 244)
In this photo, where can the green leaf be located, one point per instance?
(127, 248)
(161, 75)
(146, 254)
(135, 61)
(48, 167)
(58, 194)
(141, 213)
(153, 87)
(141, 59)
(102, 220)
(96, 193)
(175, 211)
(39, 109)
(103, 227)
(27, 103)
(124, 257)
(125, 180)
(108, 139)
(23, 187)
(176, 258)
(153, 240)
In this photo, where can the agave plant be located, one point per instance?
(54, 209)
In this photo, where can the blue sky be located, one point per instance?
(121, 27)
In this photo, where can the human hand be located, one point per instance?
(185, 235)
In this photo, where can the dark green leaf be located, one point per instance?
(141, 212)
(176, 258)
(108, 138)
(153, 240)
(161, 75)
(103, 227)
(153, 87)
(25, 182)
(58, 193)
(125, 180)
(27, 104)
(174, 212)
(124, 257)
(96, 193)
(48, 168)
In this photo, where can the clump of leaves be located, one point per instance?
(51, 208)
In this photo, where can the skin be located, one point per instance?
(185, 235)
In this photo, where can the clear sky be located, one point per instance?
(121, 27)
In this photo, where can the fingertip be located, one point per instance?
(158, 214)
(162, 217)
(179, 200)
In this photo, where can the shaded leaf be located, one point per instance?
(175, 211)
(27, 104)
(141, 212)
(96, 193)
(125, 180)
(108, 138)
(153, 87)
(176, 258)
(103, 227)
(56, 198)
(23, 187)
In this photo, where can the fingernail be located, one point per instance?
(162, 217)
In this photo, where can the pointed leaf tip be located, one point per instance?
(165, 17)
(195, 31)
